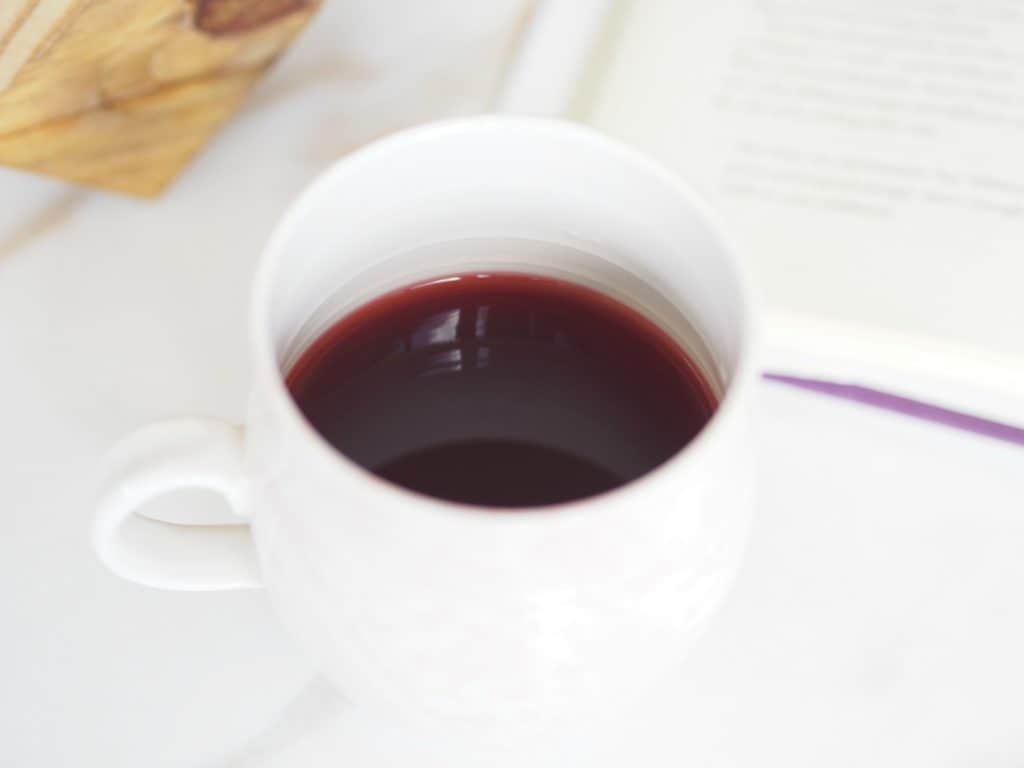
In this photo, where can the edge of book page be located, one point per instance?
(963, 379)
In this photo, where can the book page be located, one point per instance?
(866, 156)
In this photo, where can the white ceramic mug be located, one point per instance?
(450, 610)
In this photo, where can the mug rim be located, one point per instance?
(267, 373)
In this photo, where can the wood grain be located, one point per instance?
(121, 93)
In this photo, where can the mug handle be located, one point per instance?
(158, 459)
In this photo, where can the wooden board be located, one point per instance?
(121, 93)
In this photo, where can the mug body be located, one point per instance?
(486, 616)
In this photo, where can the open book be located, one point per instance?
(866, 157)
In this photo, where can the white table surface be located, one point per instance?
(879, 619)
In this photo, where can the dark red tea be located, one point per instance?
(504, 390)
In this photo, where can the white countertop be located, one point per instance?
(879, 619)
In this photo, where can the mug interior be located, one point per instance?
(493, 255)
(503, 194)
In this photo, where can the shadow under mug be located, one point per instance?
(445, 610)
